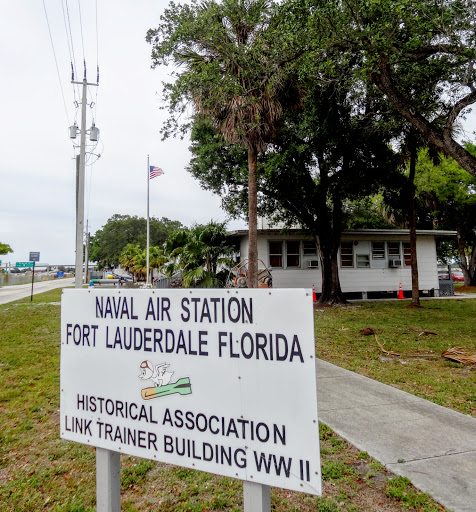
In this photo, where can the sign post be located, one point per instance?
(34, 257)
(221, 381)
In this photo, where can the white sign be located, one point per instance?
(222, 381)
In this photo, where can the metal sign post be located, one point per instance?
(32, 281)
(256, 497)
(34, 257)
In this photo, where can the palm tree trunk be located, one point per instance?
(252, 219)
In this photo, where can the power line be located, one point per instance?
(97, 52)
(97, 41)
(82, 39)
(56, 63)
(69, 37)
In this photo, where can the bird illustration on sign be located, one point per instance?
(160, 377)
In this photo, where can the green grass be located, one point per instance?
(41, 472)
(420, 369)
(400, 488)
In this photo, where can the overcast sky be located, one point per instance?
(37, 169)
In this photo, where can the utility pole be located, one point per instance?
(86, 255)
(108, 469)
(78, 281)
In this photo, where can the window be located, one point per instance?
(394, 249)
(276, 254)
(293, 254)
(378, 250)
(363, 260)
(309, 249)
(346, 254)
(407, 254)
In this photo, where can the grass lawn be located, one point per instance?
(419, 335)
(41, 472)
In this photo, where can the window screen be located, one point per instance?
(347, 254)
(293, 254)
(276, 254)
(378, 250)
(407, 254)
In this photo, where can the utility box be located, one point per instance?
(94, 134)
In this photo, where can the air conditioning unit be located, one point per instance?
(312, 263)
(395, 263)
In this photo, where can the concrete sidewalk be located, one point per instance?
(431, 445)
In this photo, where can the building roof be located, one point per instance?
(349, 232)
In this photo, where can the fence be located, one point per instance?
(162, 282)
(166, 282)
(9, 279)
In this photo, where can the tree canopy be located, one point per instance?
(108, 242)
(420, 54)
(325, 153)
(449, 196)
(5, 248)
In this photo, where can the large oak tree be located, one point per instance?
(325, 154)
(420, 54)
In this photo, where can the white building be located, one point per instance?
(372, 262)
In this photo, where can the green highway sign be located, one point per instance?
(22, 264)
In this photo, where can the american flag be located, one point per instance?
(155, 171)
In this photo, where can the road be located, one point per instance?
(20, 291)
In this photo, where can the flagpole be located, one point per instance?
(147, 250)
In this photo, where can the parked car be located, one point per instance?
(457, 276)
(122, 277)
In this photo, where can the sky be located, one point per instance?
(39, 103)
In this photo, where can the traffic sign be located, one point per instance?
(34, 256)
(23, 264)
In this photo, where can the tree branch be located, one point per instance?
(444, 141)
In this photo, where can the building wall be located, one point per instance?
(377, 278)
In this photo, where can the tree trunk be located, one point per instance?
(252, 219)
(472, 267)
(411, 197)
(468, 265)
(331, 292)
(328, 231)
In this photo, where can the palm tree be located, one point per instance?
(233, 57)
(128, 256)
(157, 258)
(201, 253)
